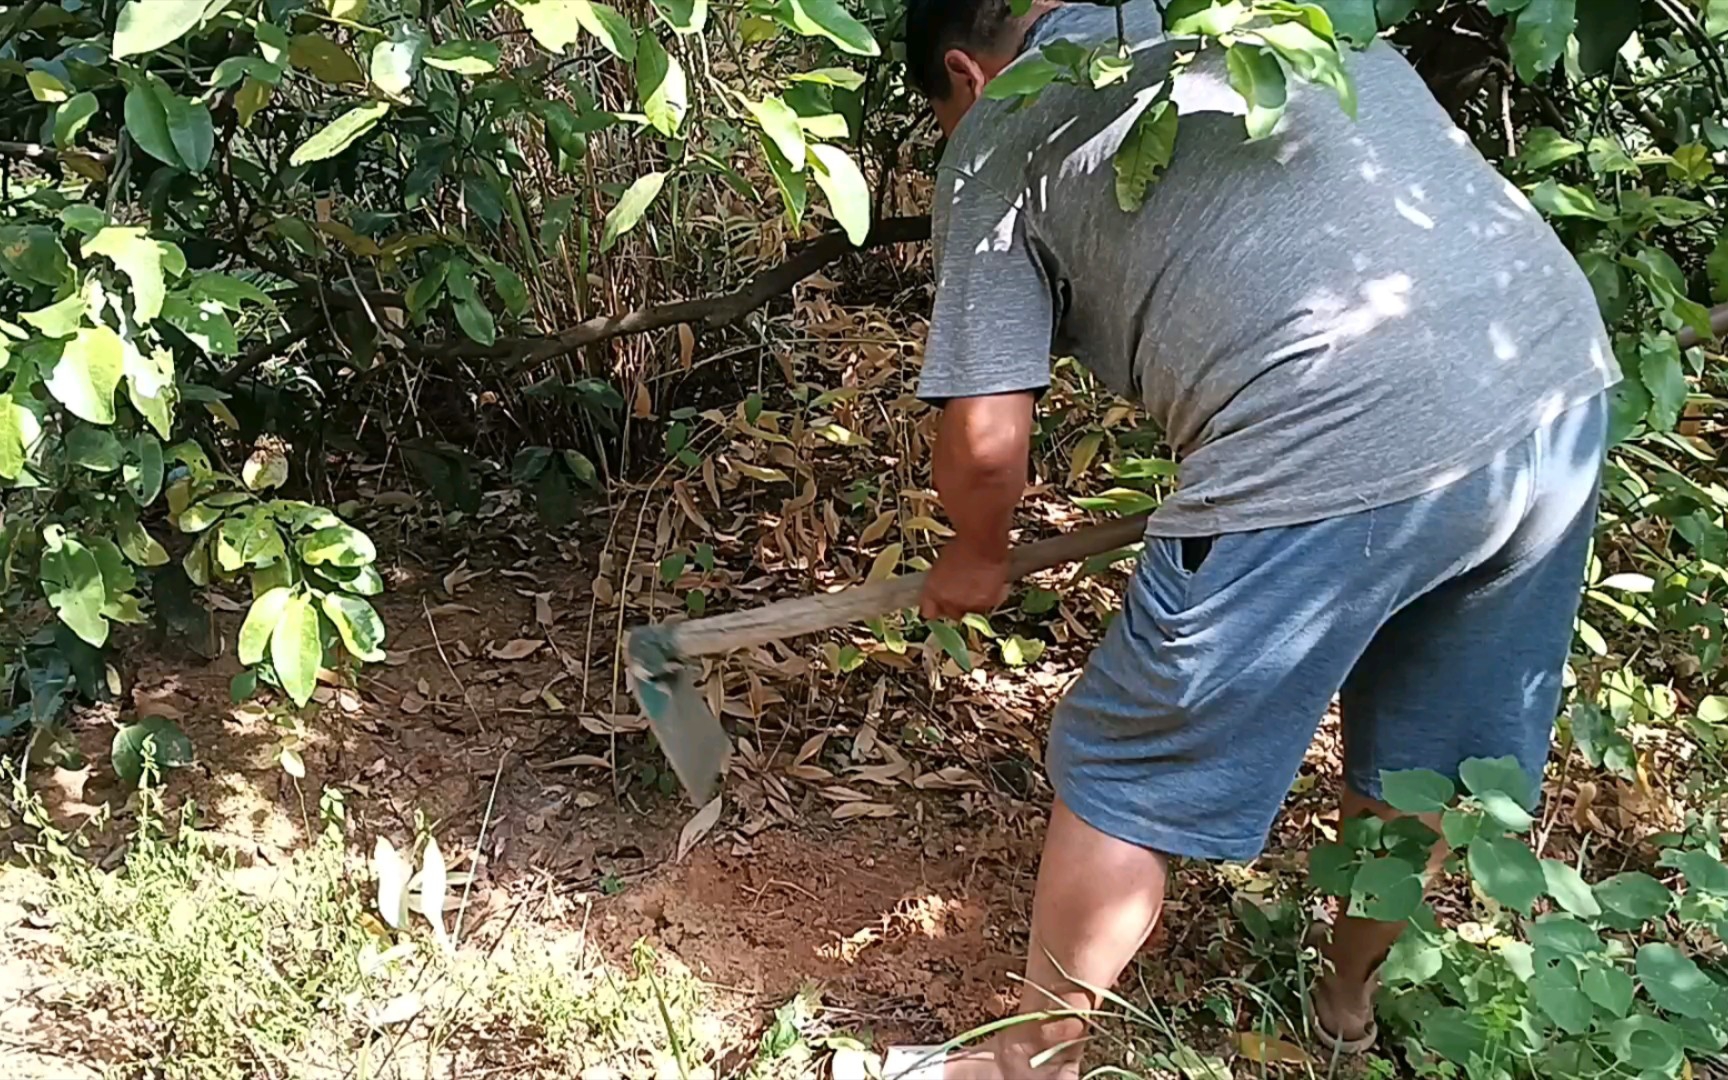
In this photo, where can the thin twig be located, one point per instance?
(24, 16)
(461, 686)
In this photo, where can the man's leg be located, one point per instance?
(1344, 994)
(1098, 898)
(1473, 668)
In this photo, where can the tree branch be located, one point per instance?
(712, 311)
(24, 16)
(264, 350)
(1688, 337)
(39, 152)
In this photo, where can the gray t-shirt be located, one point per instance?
(1339, 316)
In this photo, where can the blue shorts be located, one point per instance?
(1442, 623)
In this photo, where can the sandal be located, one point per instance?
(1317, 936)
(898, 1063)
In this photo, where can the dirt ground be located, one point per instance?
(910, 923)
(892, 872)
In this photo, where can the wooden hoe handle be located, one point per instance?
(808, 614)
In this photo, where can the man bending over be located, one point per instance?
(1384, 379)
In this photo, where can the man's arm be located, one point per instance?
(979, 465)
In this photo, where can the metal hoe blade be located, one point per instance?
(687, 730)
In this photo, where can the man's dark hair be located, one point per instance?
(935, 26)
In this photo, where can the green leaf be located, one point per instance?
(552, 23)
(826, 18)
(340, 133)
(1504, 774)
(1505, 811)
(1610, 988)
(396, 61)
(952, 643)
(20, 431)
(1416, 791)
(848, 193)
(71, 117)
(361, 629)
(476, 321)
(139, 546)
(150, 387)
(296, 648)
(1353, 20)
(1634, 896)
(147, 25)
(225, 290)
(72, 582)
(684, 16)
(1603, 27)
(793, 190)
(843, 78)
(1312, 57)
(465, 57)
(1717, 267)
(189, 128)
(631, 206)
(93, 448)
(780, 124)
(147, 120)
(1608, 282)
(1565, 935)
(661, 86)
(1539, 36)
(154, 741)
(1018, 651)
(1703, 873)
(1563, 1001)
(1144, 153)
(609, 26)
(1023, 78)
(1676, 983)
(205, 324)
(1332, 868)
(1563, 200)
(1256, 74)
(338, 545)
(84, 377)
(1454, 1034)
(143, 475)
(324, 59)
(140, 259)
(59, 320)
(1568, 887)
(1544, 147)
(1663, 374)
(1506, 870)
(261, 620)
(1386, 889)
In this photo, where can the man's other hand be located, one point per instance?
(964, 581)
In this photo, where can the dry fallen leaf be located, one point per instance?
(844, 794)
(460, 576)
(698, 827)
(1269, 1051)
(579, 761)
(412, 703)
(812, 746)
(877, 529)
(847, 811)
(518, 649)
(686, 345)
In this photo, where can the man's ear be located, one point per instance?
(966, 78)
